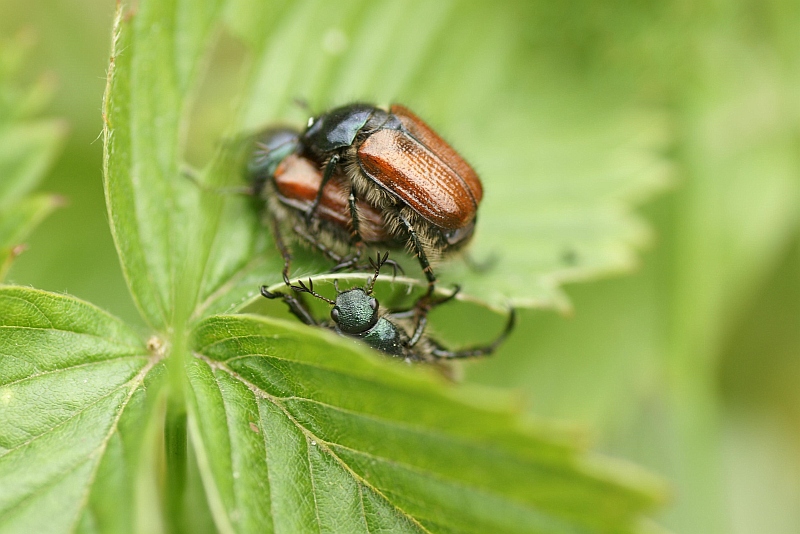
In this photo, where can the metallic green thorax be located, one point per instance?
(384, 336)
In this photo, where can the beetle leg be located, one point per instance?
(282, 248)
(448, 298)
(422, 314)
(476, 352)
(423, 259)
(426, 307)
(349, 262)
(329, 168)
(404, 314)
(297, 308)
(311, 240)
(396, 267)
(351, 200)
(342, 262)
(422, 322)
(352, 263)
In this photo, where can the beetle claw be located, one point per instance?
(395, 268)
(269, 294)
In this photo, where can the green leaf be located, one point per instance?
(75, 384)
(298, 430)
(557, 207)
(154, 212)
(27, 150)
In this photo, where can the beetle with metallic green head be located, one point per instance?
(356, 313)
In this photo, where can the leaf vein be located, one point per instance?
(49, 483)
(266, 461)
(65, 421)
(313, 483)
(363, 509)
(214, 364)
(65, 331)
(70, 368)
(135, 382)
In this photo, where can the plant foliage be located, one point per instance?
(259, 424)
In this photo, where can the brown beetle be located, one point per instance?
(297, 181)
(290, 183)
(427, 193)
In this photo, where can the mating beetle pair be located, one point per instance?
(363, 176)
(359, 175)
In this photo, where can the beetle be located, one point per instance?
(290, 185)
(386, 162)
(428, 194)
(356, 313)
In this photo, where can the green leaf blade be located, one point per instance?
(68, 373)
(246, 493)
(340, 426)
(156, 218)
(558, 199)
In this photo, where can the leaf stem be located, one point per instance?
(175, 446)
(175, 436)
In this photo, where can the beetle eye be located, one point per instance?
(373, 303)
(335, 314)
(458, 235)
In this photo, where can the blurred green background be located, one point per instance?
(690, 365)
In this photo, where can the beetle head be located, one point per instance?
(271, 147)
(337, 128)
(355, 311)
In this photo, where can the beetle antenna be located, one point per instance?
(376, 264)
(303, 288)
